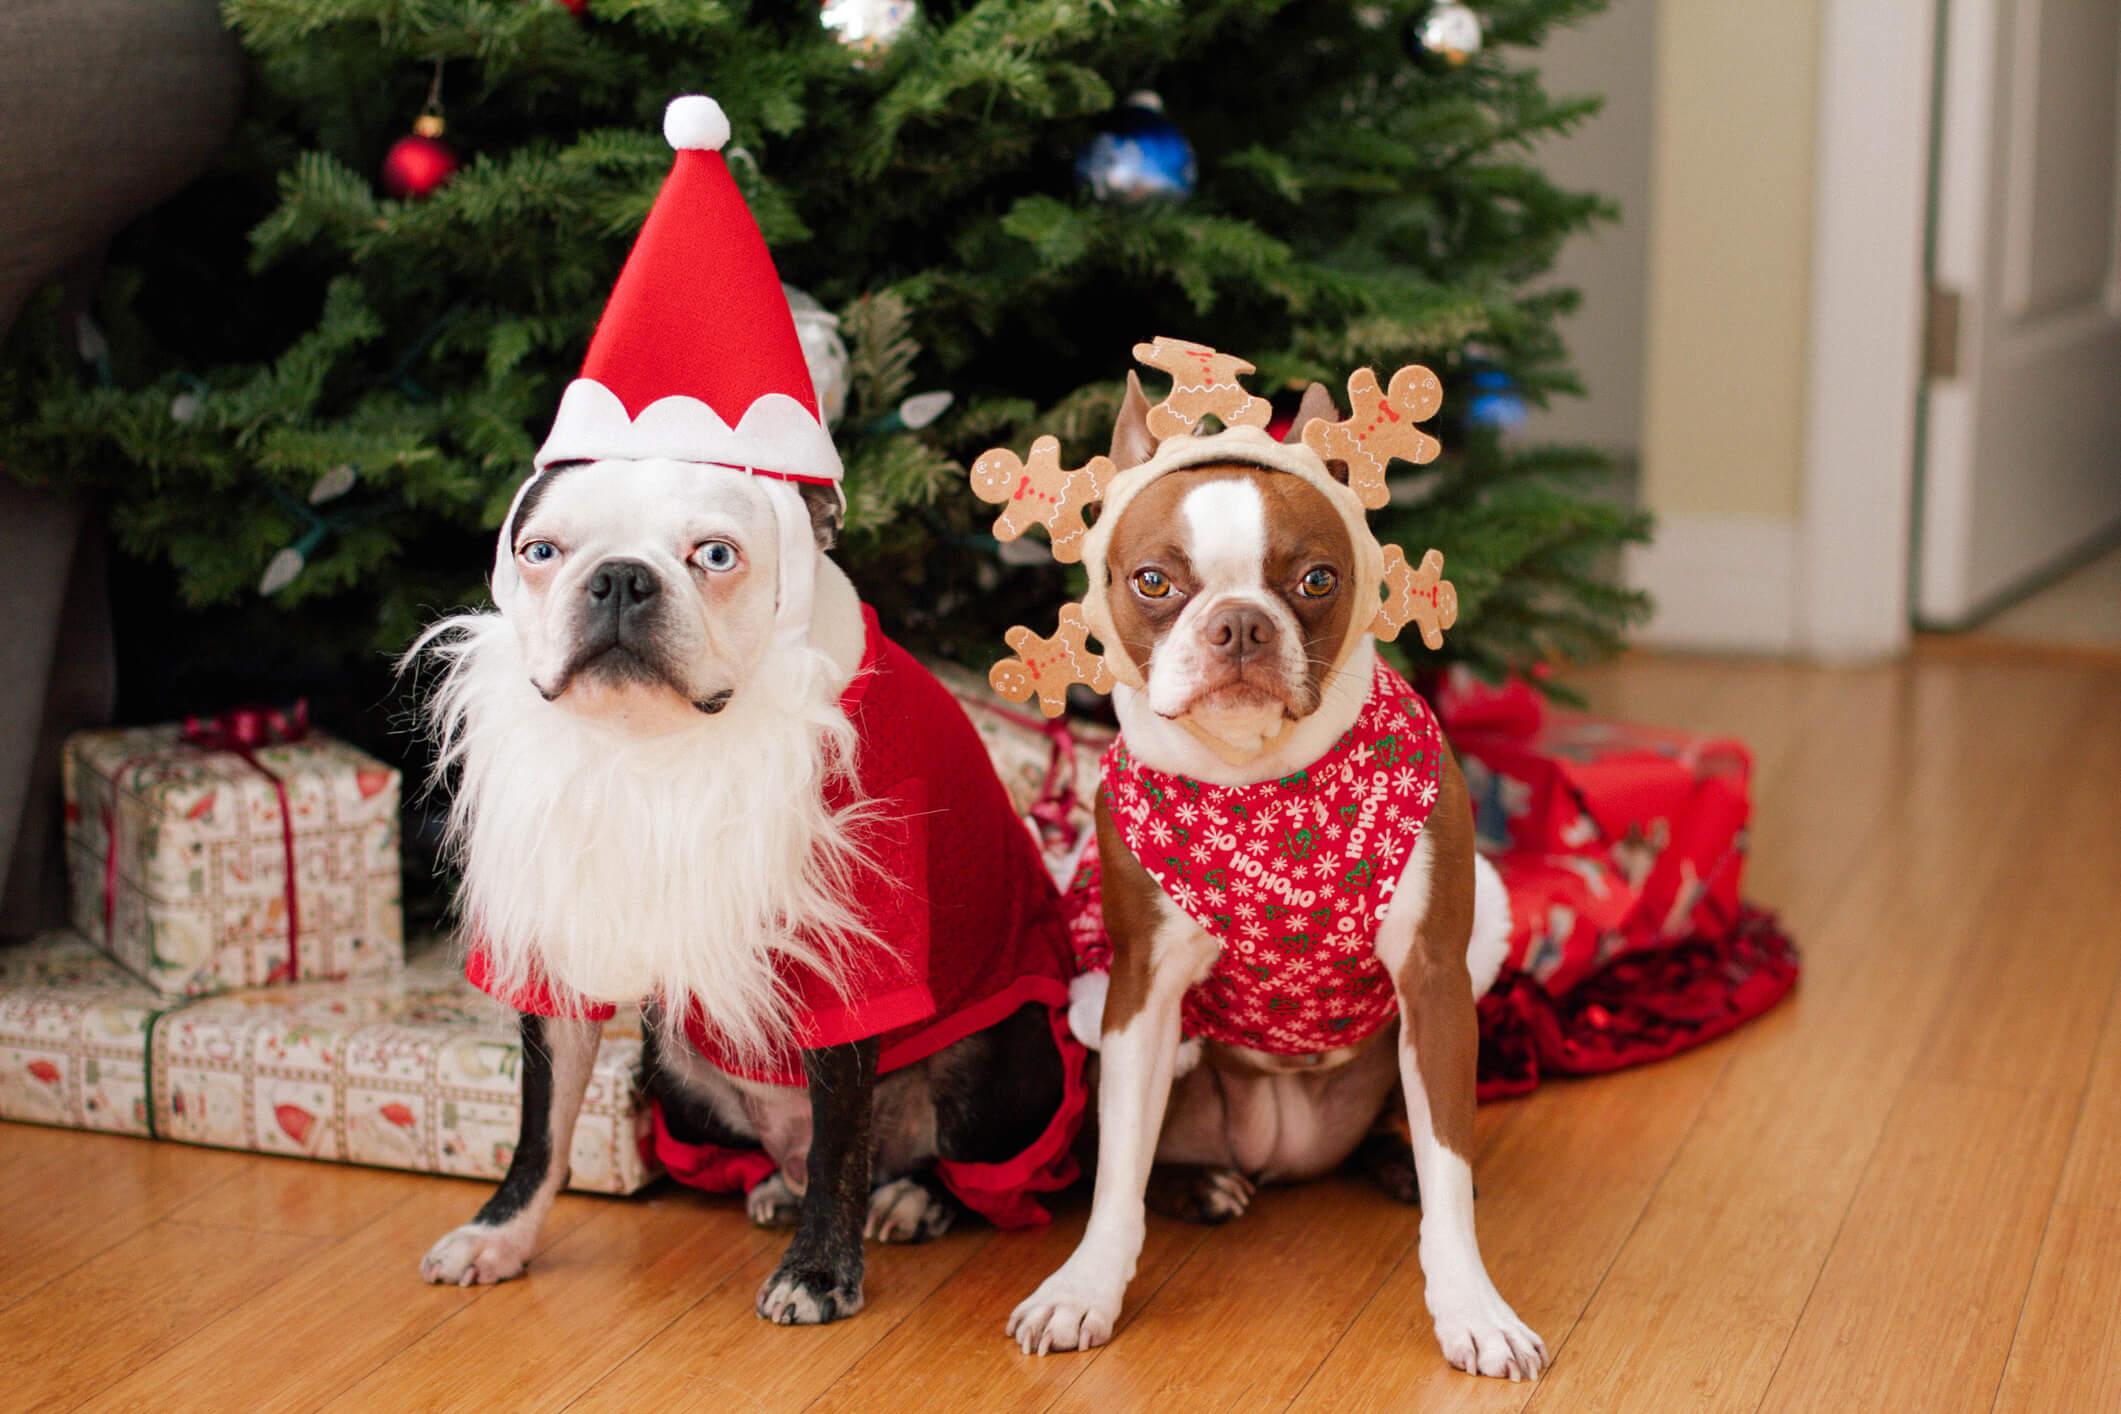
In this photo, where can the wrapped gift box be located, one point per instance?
(1048, 766)
(418, 1072)
(1567, 915)
(74, 1030)
(1665, 810)
(178, 857)
(412, 1071)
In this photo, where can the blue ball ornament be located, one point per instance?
(1140, 156)
(1495, 402)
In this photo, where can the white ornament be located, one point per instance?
(281, 570)
(923, 408)
(185, 407)
(868, 27)
(89, 341)
(1452, 31)
(818, 330)
(332, 484)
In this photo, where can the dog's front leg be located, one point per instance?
(1439, 1050)
(558, 1056)
(1156, 954)
(820, 1277)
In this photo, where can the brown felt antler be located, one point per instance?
(1380, 428)
(1045, 666)
(1040, 491)
(1418, 596)
(1202, 382)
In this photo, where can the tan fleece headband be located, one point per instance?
(1038, 490)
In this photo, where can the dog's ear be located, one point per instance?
(1131, 443)
(823, 503)
(1317, 403)
(1317, 406)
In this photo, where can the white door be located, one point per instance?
(2022, 461)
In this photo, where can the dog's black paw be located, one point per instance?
(1389, 1162)
(1198, 1193)
(801, 1294)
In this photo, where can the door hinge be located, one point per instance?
(1940, 334)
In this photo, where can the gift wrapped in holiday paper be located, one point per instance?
(1665, 809)
(415, 1071)
(1048, 766)
(74, 1028)
(233, 852)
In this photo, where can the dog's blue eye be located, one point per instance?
(540, 552)
(717, 556)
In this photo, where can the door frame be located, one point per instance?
(1872, 180)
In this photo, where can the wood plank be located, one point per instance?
(338, 1314)
(1698, 1306)
(320, 1326)
(77, 1195)
(1557, 1198)
(277, 1194)
(2014, 1041)
(83, 1331)
(1248, 1317)
(589, 1302)
(719, 1355)
(1917, 1303)
(959, 1327)
(2068, 1349)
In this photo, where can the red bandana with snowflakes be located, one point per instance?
(1292, 875)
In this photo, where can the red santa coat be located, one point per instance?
(957, 958)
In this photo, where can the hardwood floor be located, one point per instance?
(1899, 1191)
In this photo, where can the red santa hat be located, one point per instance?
(696, 359)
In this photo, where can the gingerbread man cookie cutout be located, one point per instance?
(1202, 382)
(1418, 596)
(1381, 428)
(1046, 666)
(1039, 491)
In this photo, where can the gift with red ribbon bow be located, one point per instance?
(238, 849)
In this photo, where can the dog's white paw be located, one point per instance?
(795, 1297)
(773, 1203)
(476, 1255)
(1482, 1336)
(906, 1210)
(1065, 1313)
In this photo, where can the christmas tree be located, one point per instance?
(310, 400)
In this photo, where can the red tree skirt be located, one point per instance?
(1640, 1007)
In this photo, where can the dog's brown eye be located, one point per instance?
(1318, 583)
(1151, 584)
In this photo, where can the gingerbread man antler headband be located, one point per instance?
(1038, 490)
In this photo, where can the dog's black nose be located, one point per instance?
(627, 584)
(1238, 631)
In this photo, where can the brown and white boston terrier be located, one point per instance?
(1233, 583)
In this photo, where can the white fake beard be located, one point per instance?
(693, 867)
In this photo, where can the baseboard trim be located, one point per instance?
(1720, 583)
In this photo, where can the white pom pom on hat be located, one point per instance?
(696, 121)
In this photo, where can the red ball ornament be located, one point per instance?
(577, 8)
(418, 164)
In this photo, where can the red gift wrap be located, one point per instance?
(1622, 847)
